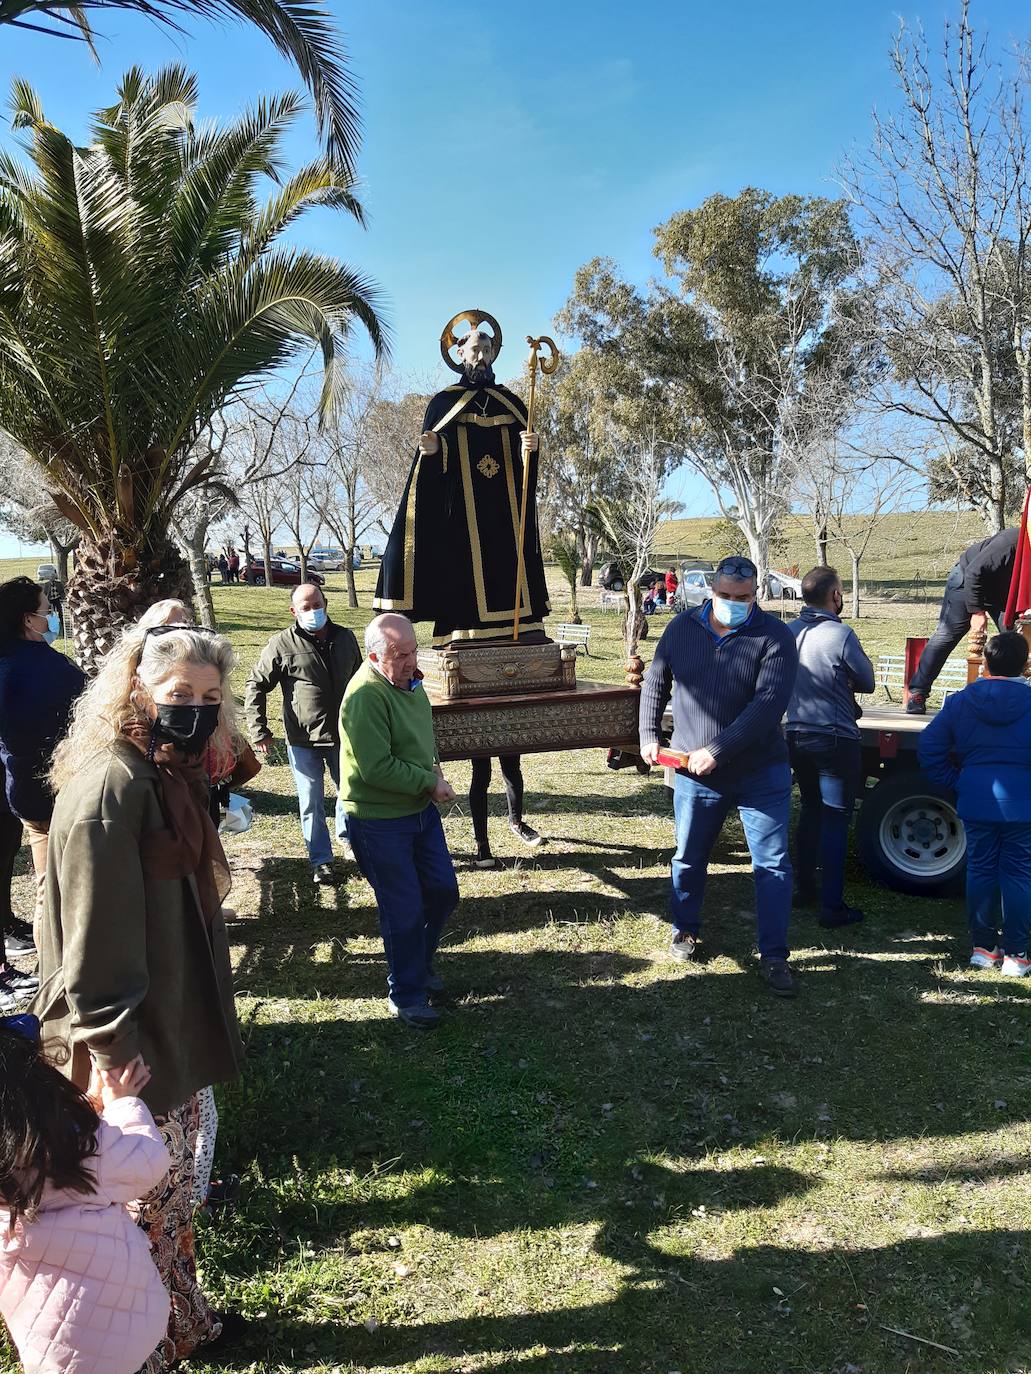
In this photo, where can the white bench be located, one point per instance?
(612, 601)
(891, 672)
(577, 635)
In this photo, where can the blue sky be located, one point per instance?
(505, 144)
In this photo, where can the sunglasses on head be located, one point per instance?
(176, 629)
(740, 568)
(24, 1025)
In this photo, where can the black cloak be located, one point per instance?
(451, 555)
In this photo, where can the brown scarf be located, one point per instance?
(190, 846)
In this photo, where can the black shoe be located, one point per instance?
(778, 977)
(234, 1328)
(22, 984)
(485, 859)
(831, 918)
(683, 946)
(17, 946)
(419, 1018)
(916, 705)
(323, 876)
(223, 1194)
(526, 833)
(804, 901)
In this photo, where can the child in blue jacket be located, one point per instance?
(979, 744)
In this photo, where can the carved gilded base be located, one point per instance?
(590, 715)
(498, 669)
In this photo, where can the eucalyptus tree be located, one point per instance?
(144, 288)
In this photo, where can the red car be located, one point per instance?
(284, 573)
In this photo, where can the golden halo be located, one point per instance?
(474, 318)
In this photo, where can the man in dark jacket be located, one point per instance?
(730, 669)
(979, 744)
(976, 588)
(312, 661)
(824, 743)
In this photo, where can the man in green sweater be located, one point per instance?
(389, 782)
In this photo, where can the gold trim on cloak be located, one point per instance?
(525, 627)
(489, 617)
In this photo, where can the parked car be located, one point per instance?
(334, 561)
(284, 573)
(695, 588)
(611, 578)
(784, 585)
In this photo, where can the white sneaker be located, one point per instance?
(986, 958)
(1016, 966)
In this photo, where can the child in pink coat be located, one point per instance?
(78, 1289)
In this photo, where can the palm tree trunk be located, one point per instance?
(111, 588)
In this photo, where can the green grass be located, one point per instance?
(606, 1162)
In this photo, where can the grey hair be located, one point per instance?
(376, 632)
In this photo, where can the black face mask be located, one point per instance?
(187, 727)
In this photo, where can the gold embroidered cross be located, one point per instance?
(488, 466)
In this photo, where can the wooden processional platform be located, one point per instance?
(586, 716)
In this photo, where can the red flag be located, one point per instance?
(1019, 599)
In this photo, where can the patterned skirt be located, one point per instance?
(167, 1217)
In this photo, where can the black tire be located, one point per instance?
(259, 579)
(909, 837)
(616, 585)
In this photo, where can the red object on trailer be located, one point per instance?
(1019, 599)
(915, 645)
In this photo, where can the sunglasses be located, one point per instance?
(177, 629)
(24, 1025)
(738, 568)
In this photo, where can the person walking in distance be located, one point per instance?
(312, 661)
(976, 588)
(824, 744)
(730, 669)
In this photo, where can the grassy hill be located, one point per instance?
(908, 557)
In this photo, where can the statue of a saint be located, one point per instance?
(453, 550)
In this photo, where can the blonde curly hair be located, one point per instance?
(109, 710)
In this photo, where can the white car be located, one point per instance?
(786, 586)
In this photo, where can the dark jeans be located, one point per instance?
(999, 883)
(953, 625)
(513, 779)
(407, 864)
(763, 801)
(10, 843)
(828, 771)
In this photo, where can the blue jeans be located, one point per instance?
(999, 883)
(828, 770)
(763, 801)
(309, 770)
(407, 865)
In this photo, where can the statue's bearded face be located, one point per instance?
(476, 353)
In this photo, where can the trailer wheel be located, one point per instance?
(910, 838)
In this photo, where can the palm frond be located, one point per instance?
(302, 30)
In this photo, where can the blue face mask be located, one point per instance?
(53, 628)
(312, 620)
(731, 613)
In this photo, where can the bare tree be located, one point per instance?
(629, 523)
(394, 426)
(946, 200)
(354, 488)
(300, 496)
(203, 505)
(26, 508)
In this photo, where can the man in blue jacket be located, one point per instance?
(979, 744)
(730, 669)
(824, 743)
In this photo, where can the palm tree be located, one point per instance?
(563, 550)
(301, 30)
(142, 289)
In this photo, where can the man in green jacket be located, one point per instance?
(312, 661)
(389, 781)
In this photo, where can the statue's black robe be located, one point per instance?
(451, 555)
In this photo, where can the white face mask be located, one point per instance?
(312, 620)
(731, 613)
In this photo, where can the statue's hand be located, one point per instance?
(531, 443)
(429, 443)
